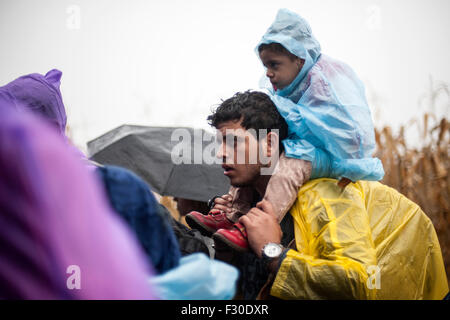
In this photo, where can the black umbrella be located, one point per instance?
(147, 152)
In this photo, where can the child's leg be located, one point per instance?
(242, 200)
(289, 175)
(235, 236)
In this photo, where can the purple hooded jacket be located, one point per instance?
(59, 239)
(40, 95)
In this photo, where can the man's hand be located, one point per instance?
(262, 226)
(223, 203)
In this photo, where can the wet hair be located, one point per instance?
(255, 110)
(276, 48)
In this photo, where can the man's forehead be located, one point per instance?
(231, 126)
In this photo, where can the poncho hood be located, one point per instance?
(294, 33)
(39, 94)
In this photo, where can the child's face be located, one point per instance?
(281, 69)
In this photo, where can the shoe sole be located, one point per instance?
(195, 224)
(220, 238)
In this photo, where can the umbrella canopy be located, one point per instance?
(147, 151)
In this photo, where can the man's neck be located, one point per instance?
(261, 183)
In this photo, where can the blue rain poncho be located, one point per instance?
(197, 278)
(329, 121)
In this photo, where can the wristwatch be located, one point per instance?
(270, 252)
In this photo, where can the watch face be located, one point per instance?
(272, 250)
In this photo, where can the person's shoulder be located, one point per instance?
(326, 61)
(329, 67)
(318, 184)
(328, 188)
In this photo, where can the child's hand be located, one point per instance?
(223, 203)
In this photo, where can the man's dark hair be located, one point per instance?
(256, 111)
(277, 48)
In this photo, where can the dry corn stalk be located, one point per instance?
(421, 173)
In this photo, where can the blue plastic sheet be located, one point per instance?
(197, 278)
(325, 107)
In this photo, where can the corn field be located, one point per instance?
(421, 171)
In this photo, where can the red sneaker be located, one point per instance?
(235, 237)
(209, 223)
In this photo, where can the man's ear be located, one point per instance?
(272, 141)
(271, 146)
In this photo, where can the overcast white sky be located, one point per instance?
(167, 63)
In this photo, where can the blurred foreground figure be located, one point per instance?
(128, 195)
(133, 200)
(58, 237)
(40, 95)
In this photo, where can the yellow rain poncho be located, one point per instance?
(365, 242)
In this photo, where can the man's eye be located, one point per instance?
(235, 141)
(230, 141)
